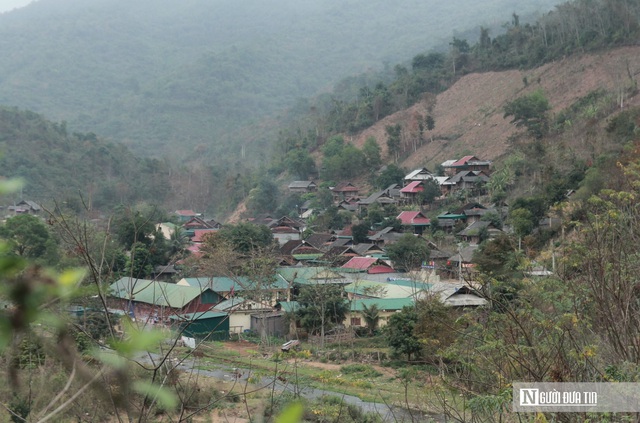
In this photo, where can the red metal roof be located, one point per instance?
(376, 270)
(413, 218)
(463, 161)
(186, 213)
(413, 187)
(360, 263)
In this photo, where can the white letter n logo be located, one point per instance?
(528, 396)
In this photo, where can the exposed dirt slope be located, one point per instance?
(469, 116)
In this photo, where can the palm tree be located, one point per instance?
(371, 317)
(178, 241)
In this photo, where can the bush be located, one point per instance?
(361, 370)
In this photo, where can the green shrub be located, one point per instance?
(361, 370)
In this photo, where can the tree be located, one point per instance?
(246, 237)
(300, 164)
(343, 162)
(498, 258)
(371, 151)
(322, 306)
(408, 252)
(264, 197)
(436, 325)
(135, 225)
(360, 232)
(28, 237)
(178, 241)
(393, 140)
(530, 111)
(139, 265)
(400, 334)
(522, 222)
(392, 174)
(371, 315)
(430, 192)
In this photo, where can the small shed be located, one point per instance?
(209, 324)
(269, 324)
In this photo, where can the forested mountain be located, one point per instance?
(62, 166)
(185, 78)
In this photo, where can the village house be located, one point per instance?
(209, 325)
(300, 250)
(389, 195)
(337, 256)
(271, 290)
(467, 163)
(411, 192)
(387, 307)
(344, 191)
(414, 221)
(466, 179)
(462, 216)
(458, 295)
(385, 236)
(321, 241)
(367, 265)
(155, 301)
(417, 175)
(302, 187)
(185, 215)
(286, 229)
(240, 310)
(25, 207)
(460, 265)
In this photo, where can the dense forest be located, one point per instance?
(195, 79)
(74, 167)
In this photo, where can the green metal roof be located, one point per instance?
(188, 317)
(289, 306)
(389, 304)
(154, 292)
(308, 274)
(452, 216)
(224, 284)
(400, 289)
(307, 256)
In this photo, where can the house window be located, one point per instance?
(355, 321)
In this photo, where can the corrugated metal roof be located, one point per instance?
(230, 303)
(307, 256)
(392, 289)
(413, 187)
(360, 263)
(415, 218)
(388, 304)
(463, 161)
(301, 184)
(376, 270)
(188, 317)
(224, 284)
(422, 173)
(154, 292)
(289, 306)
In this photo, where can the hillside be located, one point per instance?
(184, 79)
(469, 115)
(59, 166)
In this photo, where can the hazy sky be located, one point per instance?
(6, 5)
